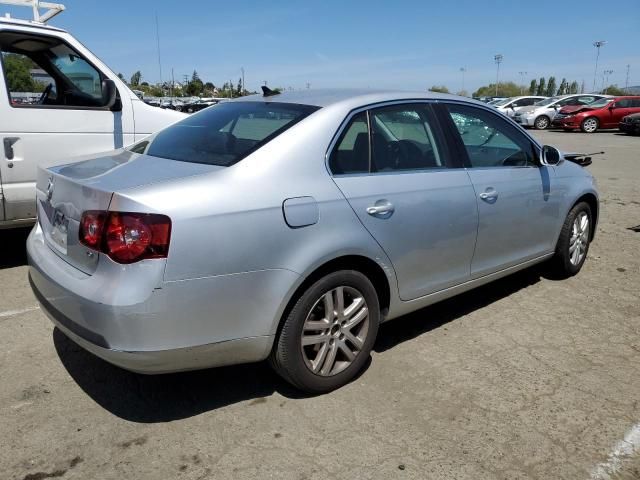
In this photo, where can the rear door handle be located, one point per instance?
(8, 147)
(381, 207)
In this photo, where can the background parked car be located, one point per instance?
(604, 113)
(630, 124)
(198, 105)
(541, 114)
(509, 106)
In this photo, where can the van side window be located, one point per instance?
(45, 72)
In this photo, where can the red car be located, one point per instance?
(603, 113)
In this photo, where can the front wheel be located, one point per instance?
(589, 125)
(542, 122)
(328, 335)
(573, 243)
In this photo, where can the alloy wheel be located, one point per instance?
(590, 125)
(579, 240)
(542, 122)
(335, 331)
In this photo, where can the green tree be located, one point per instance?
(563, 89)
(439, 89)
(542, 85)
(239, 88)
(135, 79)
(573, 88)
(533, 87)
(17, 69)
(121, 77)
(195, 87)
(614, 90)
(507, 89)
(551, 87)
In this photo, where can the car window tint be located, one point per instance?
(624, 103)
(491, 141)
(403, 139)
(635, 103)
(351, 154)
(226, 133)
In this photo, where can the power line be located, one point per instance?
(498, 59)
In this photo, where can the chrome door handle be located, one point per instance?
(380, 208)
(489, 195)
(8, 147)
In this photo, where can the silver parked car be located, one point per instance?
(541, 114)
(290, 226)
(509, 106)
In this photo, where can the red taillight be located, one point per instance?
(126, 237)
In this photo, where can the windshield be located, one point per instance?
(603, 102)
(547, 101)
(226, 133)
(502, 103)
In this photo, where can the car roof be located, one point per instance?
(28, 23)
(352, 98)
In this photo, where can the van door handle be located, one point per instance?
(381, 207)
(8, 147)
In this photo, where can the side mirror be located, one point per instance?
(109, 94)
(550, 155)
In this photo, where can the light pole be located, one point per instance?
(498, 59)
(605, 80)
(462, 70)
(522, 75)
(626, 82)
(597, 44)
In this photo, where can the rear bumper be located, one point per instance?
(171, 327)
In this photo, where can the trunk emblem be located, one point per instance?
(50, 188)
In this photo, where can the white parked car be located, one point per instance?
(79, 107)
(509, 106)
(541, 114)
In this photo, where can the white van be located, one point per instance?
(79, 107)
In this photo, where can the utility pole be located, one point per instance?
(462, 70)
(498, 59)
(626, 82)
(522, 75)
(597, 44)
(158, 44)
(308, 85)
(265, 82)
(605, 80)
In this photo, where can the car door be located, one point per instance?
(619, 109)
(517, 206)
(394, 168)
(50, 97)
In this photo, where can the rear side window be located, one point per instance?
(226, 133)
(351, 154)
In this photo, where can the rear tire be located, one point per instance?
(573, 243)
(589, 125)
(542, 122)
(327, 337)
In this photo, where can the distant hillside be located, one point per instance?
(634, 90)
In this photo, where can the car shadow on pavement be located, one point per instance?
(13, 252)
(162, 398)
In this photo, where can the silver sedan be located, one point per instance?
(289, 226)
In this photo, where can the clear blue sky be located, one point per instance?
(354, 43)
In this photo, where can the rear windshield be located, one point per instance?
(225, 133)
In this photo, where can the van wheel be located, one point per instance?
(328, 335)
(589, 125)
(573, 243)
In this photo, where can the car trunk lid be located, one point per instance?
(64, 192)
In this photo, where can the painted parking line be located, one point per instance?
(11, 313)
(623, 451)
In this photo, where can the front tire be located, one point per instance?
(542, 122)
(589, 125)
(573, 243)
(327, 337)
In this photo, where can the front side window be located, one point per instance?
(226, 133)
(403, 139)
(489, 140)
(45, 71)
(624, 103)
